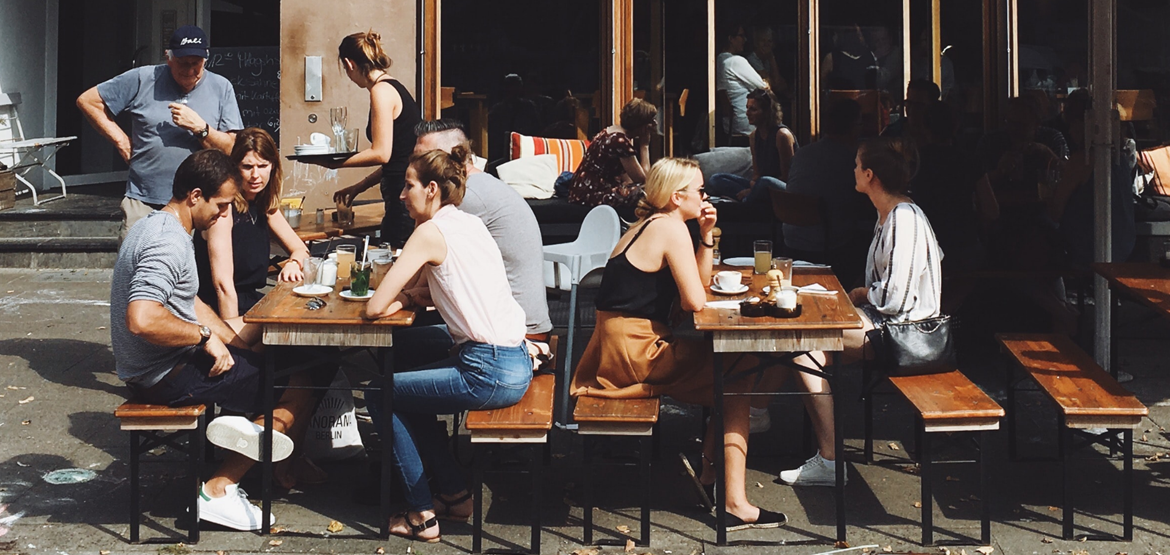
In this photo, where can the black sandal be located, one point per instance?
(445, 514)
(416, 529)
(767, 519)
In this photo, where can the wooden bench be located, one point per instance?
(948, 403)
(525, 423)
(1086, 397)
(597, 416)
(152, 426)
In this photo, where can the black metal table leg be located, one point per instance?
(1127, 465)
(537, 464)
(135, 509)
(720, 471)
(644, 475)
(195, 457)
(477, 492)
(984, 489)
(266, 443)
(838, 447)
(387, 439)
(587, 515)
(1011, 414)
(924, 476)
(1066, 482)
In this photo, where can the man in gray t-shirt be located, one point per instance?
(171, 349)
(510, 221)
(175, 109)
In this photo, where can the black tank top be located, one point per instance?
(250, 256)
(631, 291)
(394, 170)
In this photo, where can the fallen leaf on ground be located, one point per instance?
(894, 446)
(986, 550)
(1080, 552)
(1046, 540)
(29, 399)
(25, 422)
(623, 529)
(335, 526)
(15, 388)
(380, 551)
(275, 543)
(629, 546)
(841, 544)
(221, 553)
(1053, 509)
(952, 479)
(917, 504)
(759, 485)
(277, 529)
(888, 549)
(586, 552)
(104, 552)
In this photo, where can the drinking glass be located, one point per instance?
(784, 265)
(351, 140)
(312, 264)
(344, 214)
(763, 256)
(359, 283)
(346, 254)
(381, 267)
(338, 118)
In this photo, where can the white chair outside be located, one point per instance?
(25, 154)
(566, 265)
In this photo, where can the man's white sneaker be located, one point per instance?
(243, 436)
(760, 421)
(232, 510)
(816, 471)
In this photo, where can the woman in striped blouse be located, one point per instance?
(903, 283)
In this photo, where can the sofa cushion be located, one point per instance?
(531, 176)
(569, 152)
(725, 159)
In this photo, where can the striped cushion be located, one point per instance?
(569, 152)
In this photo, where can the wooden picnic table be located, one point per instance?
(367, 218)
(820, 327)
(1146, 282)
(288, 323)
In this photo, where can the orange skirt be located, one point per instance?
(631, 358)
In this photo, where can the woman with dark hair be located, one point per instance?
(903, 282)
(633, 354)
(233, 255)
(390, 131)
(617, 160)
(452, 263)
(772, 144)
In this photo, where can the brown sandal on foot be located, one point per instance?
(445, 513)
(416, 529)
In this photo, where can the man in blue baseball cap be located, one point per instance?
(175, 109)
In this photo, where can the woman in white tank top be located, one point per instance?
(452, 263)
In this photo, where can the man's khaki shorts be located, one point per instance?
(132, 211)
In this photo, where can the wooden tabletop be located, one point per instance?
(366, 219)
(282, 306)
(818, 312)
(1147, 282)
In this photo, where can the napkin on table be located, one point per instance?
(723, 304)
(817, 289)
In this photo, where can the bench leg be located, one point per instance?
(477, 493)
(566, 375)
(587, 515)
(195, 440)
(1127, 466)
(924, 473)
(135, 511)
(1066, 482)
(644, 475)
(867, 399)
(1011, 414)
(984, 489)
(537, 463)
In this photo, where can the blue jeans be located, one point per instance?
(729, 185)
(480, 376)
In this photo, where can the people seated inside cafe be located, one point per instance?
(616, 162)
(512, 114)
(824, 169)
(452, 263)
(772, 146)
(633, 352)
(903, 283)
(919, 93)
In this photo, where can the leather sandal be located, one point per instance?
(416, 529)
(445, 513)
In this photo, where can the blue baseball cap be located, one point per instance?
(189, 40)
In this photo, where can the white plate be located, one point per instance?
(740, 262)
(717, 290)
(349, 296)
(312, 290)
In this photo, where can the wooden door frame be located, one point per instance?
(617, 69)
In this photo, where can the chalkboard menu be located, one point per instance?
(255, 75)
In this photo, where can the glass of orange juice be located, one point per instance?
(346, 255)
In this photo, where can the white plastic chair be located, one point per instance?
(589, 252)
(25, 154)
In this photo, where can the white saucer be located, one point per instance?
(349, 296)
(717, 290)
(740, 262)
(312, 290)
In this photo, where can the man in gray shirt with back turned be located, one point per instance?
(171, 349)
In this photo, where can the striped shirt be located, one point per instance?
(903, 270)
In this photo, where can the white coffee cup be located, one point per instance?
(728, 280)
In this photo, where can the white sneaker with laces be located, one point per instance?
(232, 510)
(760, 421)
(243, 436)
(816, 471)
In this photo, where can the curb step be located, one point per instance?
(59, 244)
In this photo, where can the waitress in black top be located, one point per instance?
(390, 130)
(232, 255)
(633, 353)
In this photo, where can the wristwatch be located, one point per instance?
(204, 335)
(202, 134)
